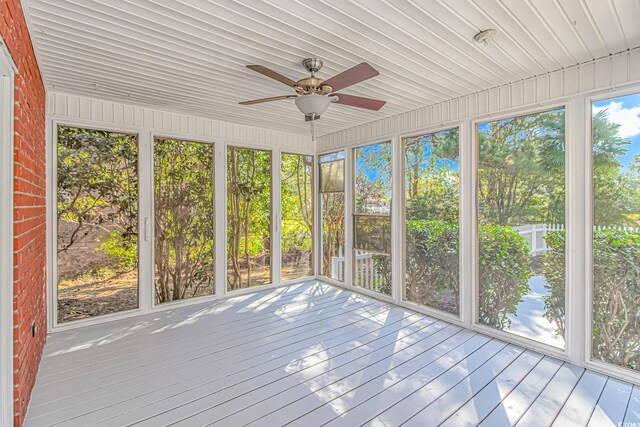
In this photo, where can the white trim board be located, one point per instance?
(7, 71)
(101, 113)
(605, 73)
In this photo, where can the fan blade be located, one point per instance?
(260, 101)
(358, 101)
(357, 74)
(272, 74)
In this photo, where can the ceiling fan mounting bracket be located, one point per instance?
(312, 65)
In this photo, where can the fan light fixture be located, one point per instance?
(313, 105)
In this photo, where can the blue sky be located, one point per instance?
(624, 111)
(453, 165)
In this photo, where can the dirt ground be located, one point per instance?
(96, 295)
(90, 296)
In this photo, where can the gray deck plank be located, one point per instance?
(612, 405)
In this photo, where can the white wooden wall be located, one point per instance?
(74, 109)
(606, 73)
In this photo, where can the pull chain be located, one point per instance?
(313, 129)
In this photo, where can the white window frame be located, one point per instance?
(350, 170)
(588, 209)
(146, 137)
(275, 219)
(400, 225)
(52, 228)
(318, 212)
(314, 235)
(566, 352)
(150, 224)
(7, 72)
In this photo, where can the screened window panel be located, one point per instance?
(184, 219)
(331, 199)
(97, 223)
(297, 216)
(248, 217)
(521, 211)
(615, 308)
(372, 217)
(432, 213)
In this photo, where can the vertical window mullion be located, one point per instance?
(348, 213)
(468, 145)
(220, 189)
(276, 217)
(577, 219)
(397, 219)
(145, 222)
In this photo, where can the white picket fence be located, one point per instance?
(536, 234)
(366, 274)
(369, 278)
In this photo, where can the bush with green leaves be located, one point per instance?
(433, 268)
(505, 270)
(382, 266)
(616, 293)
(554, 274)
(432, 264)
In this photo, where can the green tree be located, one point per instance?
(97, 183)
(297, 215)
(184, 219)
(248, 217)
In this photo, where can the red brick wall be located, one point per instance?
(29, 206)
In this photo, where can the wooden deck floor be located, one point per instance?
(307, 355)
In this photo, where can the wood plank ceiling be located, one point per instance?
(188, 56)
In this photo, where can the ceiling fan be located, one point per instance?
(314, 94)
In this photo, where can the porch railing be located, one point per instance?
(366, 273)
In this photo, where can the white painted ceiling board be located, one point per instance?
(189, 56)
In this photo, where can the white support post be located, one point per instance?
(276, 217)
(577, 158)
(468, 261)
(348, 212)
(220, 190)
(146, 282)
(397, 219)
(317, 219)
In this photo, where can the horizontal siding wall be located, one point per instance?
(80, 109)
(606, 73)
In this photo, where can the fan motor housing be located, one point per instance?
(311, 85)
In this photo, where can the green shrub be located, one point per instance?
(504, 269)
(433, 268)
(432, 264)
(616, 293)
(122, 249)
(554, 274)
(382, 266)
